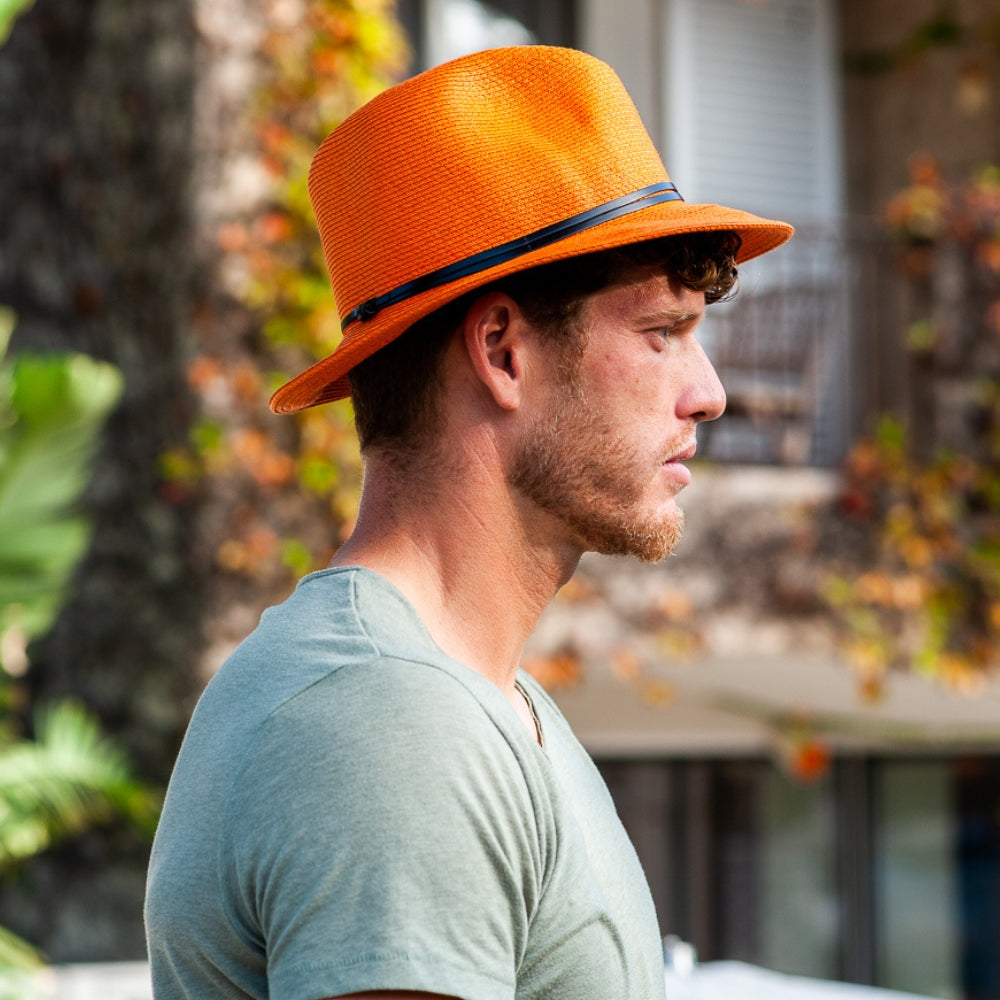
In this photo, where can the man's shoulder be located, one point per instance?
(332, 621)
(388, 737)
(415, 701)
(345, 671)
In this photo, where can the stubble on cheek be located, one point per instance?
(579, 471)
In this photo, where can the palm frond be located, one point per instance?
(16, 956)
(66, 780)
(51, 411)
(70, 777)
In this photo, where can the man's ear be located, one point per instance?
(494, 340)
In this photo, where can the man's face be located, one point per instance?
(604, 456)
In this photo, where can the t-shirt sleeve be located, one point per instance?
(385, 838)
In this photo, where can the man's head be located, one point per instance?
(580, 383)
(474, 172)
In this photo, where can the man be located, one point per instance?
(372, 800)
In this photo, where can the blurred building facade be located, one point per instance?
(881, 863)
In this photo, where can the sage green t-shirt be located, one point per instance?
(352, 810)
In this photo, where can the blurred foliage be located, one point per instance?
(67, 778)
(51, 410)
(942, 28)
(9, 9)
(929, 598)
(62, 782)
(667, 617)
(290, 484)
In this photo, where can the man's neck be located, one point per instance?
(459, 551)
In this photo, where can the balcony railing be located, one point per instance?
(806, 350)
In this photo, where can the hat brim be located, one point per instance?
(326, 381)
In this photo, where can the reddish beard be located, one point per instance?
(579, 469)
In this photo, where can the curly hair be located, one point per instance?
(395, 391)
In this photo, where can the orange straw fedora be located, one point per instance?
(487, 165)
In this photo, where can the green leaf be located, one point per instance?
(207, 436)
(63, 782)
(53, 407)
(921, 337)
(9, 10)
(891, 435)
(17, 960)
(7, 315)
(296, 556)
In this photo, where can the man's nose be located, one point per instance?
(704, 398)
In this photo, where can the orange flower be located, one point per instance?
(658, 694)
(274, 137)
(871, 688)
(274, 227)
(202, 371)
(248, 555)
(233, 237)
(246, 382)
(255, 452)
(810, 760)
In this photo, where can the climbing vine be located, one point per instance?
(928, 597)
(284, 488)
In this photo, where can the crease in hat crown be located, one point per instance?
(444, 182)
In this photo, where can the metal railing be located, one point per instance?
(808, 349)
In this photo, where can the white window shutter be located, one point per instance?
(750, 105)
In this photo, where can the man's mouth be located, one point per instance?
(683, 456)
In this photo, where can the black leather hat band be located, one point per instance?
(654, 194)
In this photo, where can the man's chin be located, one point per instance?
(649, 543)
(656, 550)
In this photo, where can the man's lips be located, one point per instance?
(685, 455)
(679, 472)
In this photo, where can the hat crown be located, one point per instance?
(469, 155)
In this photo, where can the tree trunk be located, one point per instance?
(97, 254)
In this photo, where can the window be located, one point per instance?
(751, 119)
(886, 872)
(751, 112)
